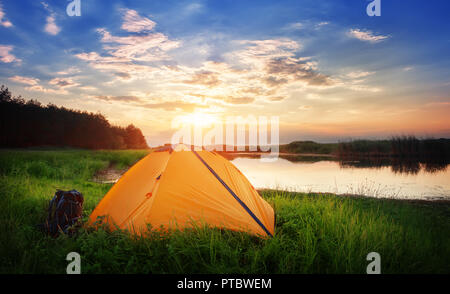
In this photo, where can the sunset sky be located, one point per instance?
(327, 69)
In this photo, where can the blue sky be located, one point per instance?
(326, 68)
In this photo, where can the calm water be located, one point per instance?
(416, 181)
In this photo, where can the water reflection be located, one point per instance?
(382, 178)
(401, 166)
(287, 156)
(397, 165)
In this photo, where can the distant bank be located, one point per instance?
(395, 147)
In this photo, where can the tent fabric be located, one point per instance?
(179, 189)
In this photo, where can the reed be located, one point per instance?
(398, 147)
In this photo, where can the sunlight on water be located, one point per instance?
(330, 176)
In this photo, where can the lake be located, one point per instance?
(392, 180)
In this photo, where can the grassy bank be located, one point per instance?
(397, 147)
(309, 147)
(315, 233)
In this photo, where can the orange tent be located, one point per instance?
(177, 189)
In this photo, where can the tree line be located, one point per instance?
(399, 147)
(30, 124)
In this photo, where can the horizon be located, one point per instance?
(327, 70)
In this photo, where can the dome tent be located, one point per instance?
(177, 189)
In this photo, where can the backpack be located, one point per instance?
(65, 212)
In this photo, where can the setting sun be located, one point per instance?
(196, 119)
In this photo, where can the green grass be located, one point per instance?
(309, 147)
(315, 233)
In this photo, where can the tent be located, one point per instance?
(178, 189)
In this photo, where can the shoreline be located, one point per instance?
(259, 153)
(355, 196)
(111, 175)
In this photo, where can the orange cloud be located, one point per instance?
(133, 22)
(6, 56)
(367, 36)
(3, 21)
(206, 78)
(24, 80)
(63, 82)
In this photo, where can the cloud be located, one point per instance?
(119, 98)
(3, 21)
(124, 69)
(63, 82)
(39, 88)
(50, 26)
(273, 81)
(230, 100)
(24, 80)
(239, 100)
(275, 60)
(254, 90)
(254, 70)
(367, 36)
(6, 56)
(294, 26)
(123, 75)
(364, 88)
(304, 107)
(88, 88)
(174, 105)
(149, 47)
(137, 101)
(267, 49)
(276, 98)
(193, 8)
(206, 78)
(95, 57)
(297, 69)
(127, 57)
(359, 74)
(133, 22)
(438, 104)
(34, 85)
(257, 70)
(321, 24)
(71, 70)
(355, 80)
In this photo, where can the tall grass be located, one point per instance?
(364, 147)
(315, 233)
(309, 147)
(398, 147)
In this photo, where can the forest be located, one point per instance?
(28, 123)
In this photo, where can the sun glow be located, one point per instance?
(197, 119)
